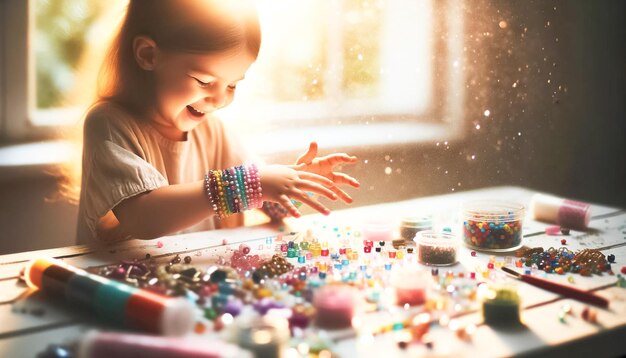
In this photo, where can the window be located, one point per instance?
(358, 64)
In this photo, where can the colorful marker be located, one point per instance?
(112, 301)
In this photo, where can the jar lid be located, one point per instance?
(435, 238)
(417, 221)
(493, 210)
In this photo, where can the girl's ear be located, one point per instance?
(145, 51)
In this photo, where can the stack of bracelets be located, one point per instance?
(233, 190)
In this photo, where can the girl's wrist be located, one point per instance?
(233, 190)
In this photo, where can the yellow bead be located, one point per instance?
(262, 293)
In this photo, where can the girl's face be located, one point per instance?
(190, 86)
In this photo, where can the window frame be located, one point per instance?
(17, 83)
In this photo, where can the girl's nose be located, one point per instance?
(217, 98)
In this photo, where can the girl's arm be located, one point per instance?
(164, 210)
(173, 208)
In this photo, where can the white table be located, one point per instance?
(30, 322)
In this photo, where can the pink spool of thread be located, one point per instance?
(335, 305)
(564, 212)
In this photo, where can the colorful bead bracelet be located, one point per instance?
(233, 190)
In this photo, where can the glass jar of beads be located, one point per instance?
(436, 248)
(411, 225)
(490, 225)
(500, 304)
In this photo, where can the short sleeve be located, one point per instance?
(114, 174)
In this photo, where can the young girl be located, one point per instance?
(155, 159)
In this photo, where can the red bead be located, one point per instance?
(623, 270)
(563, 241)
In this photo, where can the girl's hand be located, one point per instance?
(325, 167)
(281, 183)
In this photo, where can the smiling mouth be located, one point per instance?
(194, 112)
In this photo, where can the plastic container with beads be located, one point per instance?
(491, 225)
(411, 225)
(436, 248)
(335, 305)
(500, 305)
(410, 285)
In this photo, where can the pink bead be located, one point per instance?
(553, 230)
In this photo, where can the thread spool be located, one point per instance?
(564, 212)
(110, 300)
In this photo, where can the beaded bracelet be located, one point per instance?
(233, 190)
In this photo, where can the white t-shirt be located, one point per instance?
(123, 157)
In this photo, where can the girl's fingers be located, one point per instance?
(342, 195)
(316, 188)
(287, 204)
(338, 158)
(316, 178)
(309, 155)
(303, 197)
(341, 178)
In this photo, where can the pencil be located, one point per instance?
(564, 290)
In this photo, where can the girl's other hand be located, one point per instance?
(281, 183)
(325, 166)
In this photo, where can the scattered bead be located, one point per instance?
(199, 328)
(159, 244)
(473, 253)
(553, 230)
(187, 259)
(563, 241)
(611, 258)
(564, 231)
(590, 315)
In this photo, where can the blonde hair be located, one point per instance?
(193, 26)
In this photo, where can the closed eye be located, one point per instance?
(202, 84)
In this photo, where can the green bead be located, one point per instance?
(210, 313)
